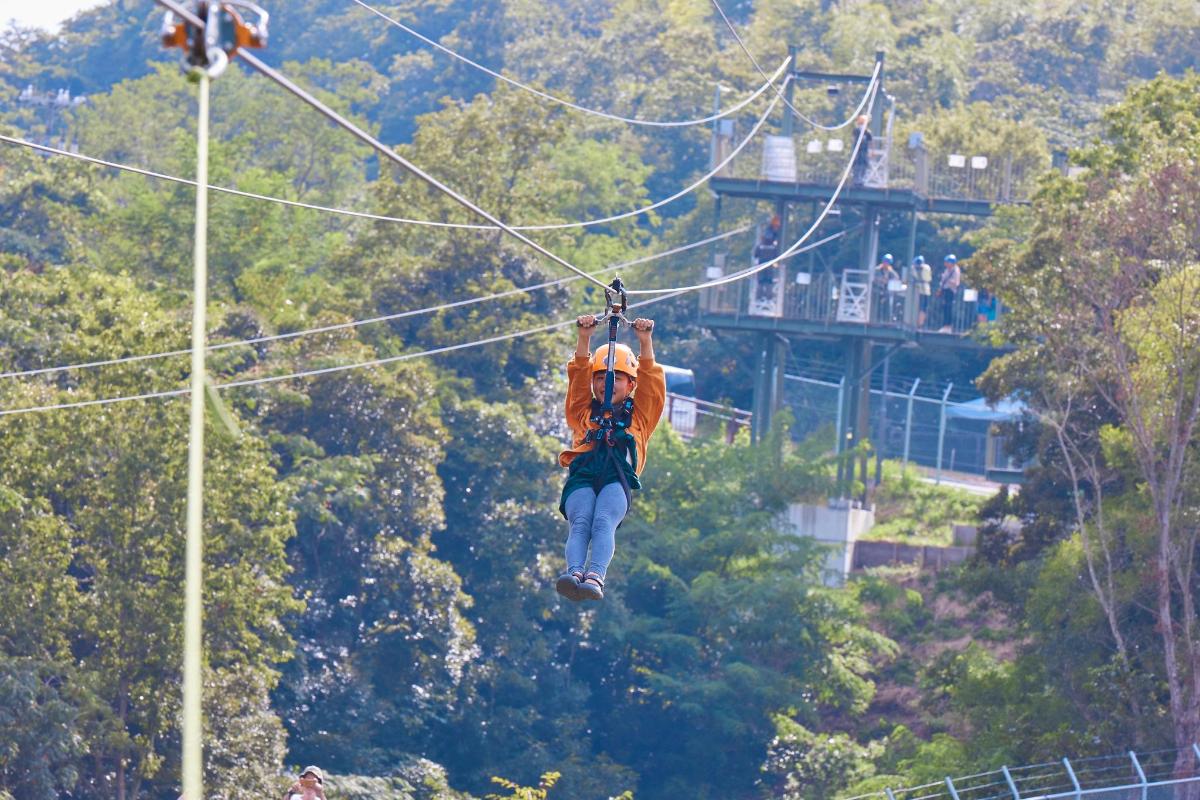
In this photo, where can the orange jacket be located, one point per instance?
(649, 397)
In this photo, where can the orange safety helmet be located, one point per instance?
(625, 360)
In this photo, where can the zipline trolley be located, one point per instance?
(225, 31)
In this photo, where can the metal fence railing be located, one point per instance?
(691, 416)
(988, 177)
(1158, 775)
(820, 297)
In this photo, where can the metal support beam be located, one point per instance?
(853, 370)
(841, 398)
(760, 421)
(877, 109)
(1137, 765)
(1071, 774)
(908, 419)
(942, 431)
(193, 611)
(831, 77)
(713, 154)
(863, 426)
(952, 790)
(882, 430)
(1012, 786)
(768, 383)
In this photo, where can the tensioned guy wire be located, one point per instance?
(398, 159)
(390, 154)
(384, 318)
(430, 223)
(728, 279)
(546, 96)
(771, 80)
(376, 362)
(794, 248)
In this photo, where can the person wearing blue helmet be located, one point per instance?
(951, 280)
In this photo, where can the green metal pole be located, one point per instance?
(193, 631)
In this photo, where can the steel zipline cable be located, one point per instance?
(280, 79)
(579, 274)
(375, 362)
(778, 90)
(430, 223)
(27, 373)
(395, 157)
(546, 96)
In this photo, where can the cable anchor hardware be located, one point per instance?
(224, 33)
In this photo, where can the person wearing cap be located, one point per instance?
(601, 476)
(862, 157)
(310, 785)
(922, 277)
(951, 279)
(885, 273)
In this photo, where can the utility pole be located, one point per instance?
(208, 33)
(193, 632)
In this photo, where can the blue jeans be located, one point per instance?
(593, 520)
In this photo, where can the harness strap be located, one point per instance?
(614, 431)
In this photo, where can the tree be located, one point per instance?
(113, 480)
(803, 764)
(722, 620)
(1106, 323)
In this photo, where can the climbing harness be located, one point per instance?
(224, 33)
(612, 429)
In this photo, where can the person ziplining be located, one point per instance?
(611, 423)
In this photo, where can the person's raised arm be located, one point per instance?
(586, 325)
(579, 377)
(644, 329)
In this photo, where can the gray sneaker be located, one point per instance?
(568, 586)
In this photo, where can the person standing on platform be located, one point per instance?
(862, 158)
(922, 277)
(885, 273)
(951, 280)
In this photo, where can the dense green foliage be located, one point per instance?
(380, 542)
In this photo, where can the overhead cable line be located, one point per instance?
(546, 96)
(791, 251)
(396, 158)
(778, 91)
(403, 220)
(236, 192)
(373, 320)
(385, 151)
(375, 362)
(794, 248)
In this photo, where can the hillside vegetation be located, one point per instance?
(381, 541)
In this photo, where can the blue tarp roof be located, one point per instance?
(1006, 410)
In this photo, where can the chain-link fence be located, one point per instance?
(943, 427)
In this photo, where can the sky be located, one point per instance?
(46, 14)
